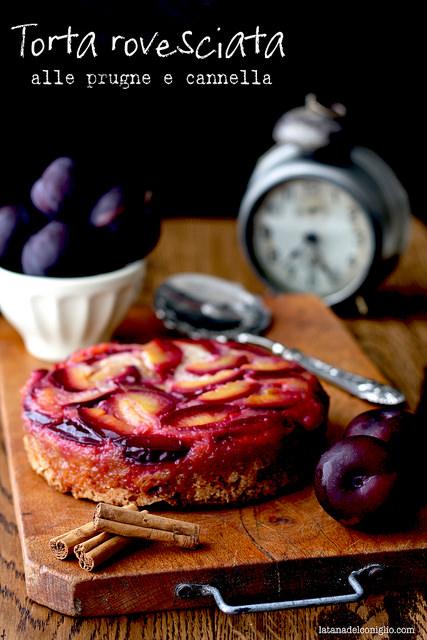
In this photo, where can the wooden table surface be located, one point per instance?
(393, 334)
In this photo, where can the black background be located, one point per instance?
(197, 145)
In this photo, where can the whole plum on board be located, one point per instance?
(357, 482)
(350, 476)
(392, 426)
(404, 434)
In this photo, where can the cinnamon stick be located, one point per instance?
(145, 519)
(90, 544)
(62, 546)
(92, 558)
(135, 531)
(102, 546)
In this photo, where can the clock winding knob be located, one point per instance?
(310, 127)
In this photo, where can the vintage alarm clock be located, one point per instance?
(320, 214)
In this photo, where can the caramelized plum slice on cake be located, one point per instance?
(206, 422)
(279, 392)
(78, 431)
(266, 366)
(130, 412)
(230, 391)
(162, 356)
(192, 385)
(221, 363)
(199, 417)
(123, 368)
(139, 407)
(52, 400)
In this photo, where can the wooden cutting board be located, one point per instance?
(283, 548)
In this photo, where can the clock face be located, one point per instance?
(310, 235)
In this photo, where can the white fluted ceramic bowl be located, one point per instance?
(56, 316)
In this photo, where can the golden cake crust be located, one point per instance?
(236, 488)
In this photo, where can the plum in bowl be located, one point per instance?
(72, 258)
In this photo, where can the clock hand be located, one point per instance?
(311, 280)
(327, 270)
(311, 244)
(313, 241)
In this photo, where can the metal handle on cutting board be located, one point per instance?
(190, 591)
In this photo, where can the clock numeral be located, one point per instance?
(360, 236)
(265, 231)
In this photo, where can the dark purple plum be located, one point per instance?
(126, 227)
(60, 250)
(391, 426)
(10, 220)
(108, 208)
(16, 226)
(43, 253)
(357, 482)
(52, 192)
(87, 233)
(63, 251)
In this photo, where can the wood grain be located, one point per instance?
(394, 335)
